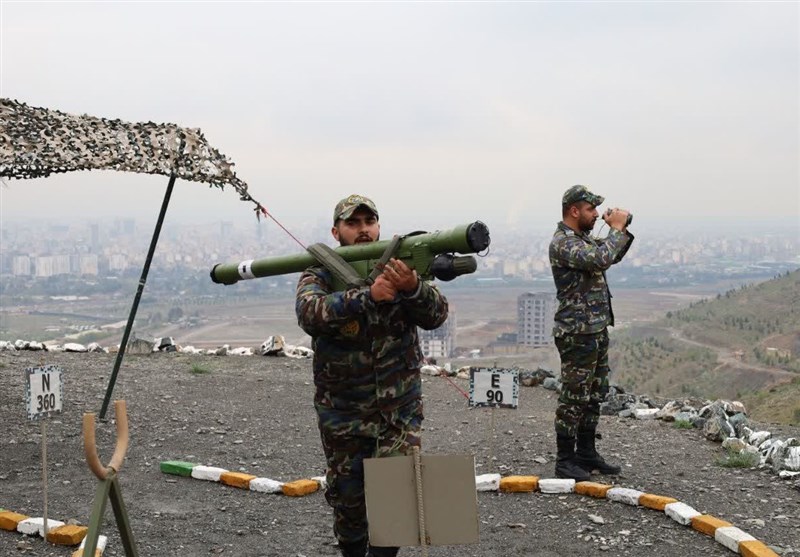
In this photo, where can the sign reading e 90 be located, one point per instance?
(494, 387)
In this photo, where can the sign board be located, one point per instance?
(449, 500)
(493, 387)
(43, 391)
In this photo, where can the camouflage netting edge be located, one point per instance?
(38, 142)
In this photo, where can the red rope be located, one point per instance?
(456, 386)
(264, 210)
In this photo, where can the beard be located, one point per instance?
(363, 239)
(586, 225)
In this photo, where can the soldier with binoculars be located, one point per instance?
(579, 262)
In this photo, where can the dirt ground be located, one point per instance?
(254, 414)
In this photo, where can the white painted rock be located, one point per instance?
(730, 536)
(556, 485)
(266, 485)
(487, 482)
(758, 437)
(209, 473)
(624, 495)
(35, 526)
(681, 513)
(101, 543)
(645, 413)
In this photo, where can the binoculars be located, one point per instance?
(628, 222)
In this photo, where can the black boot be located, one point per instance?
(566, 466)
(382, 551)
(353, 549)
(589, 459)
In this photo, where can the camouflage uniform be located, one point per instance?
(584, 312)
(368, 388)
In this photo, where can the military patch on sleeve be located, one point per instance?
(349, 329)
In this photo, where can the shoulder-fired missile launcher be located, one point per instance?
(431, 254)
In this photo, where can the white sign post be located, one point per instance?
(43, 395)
(495, 388)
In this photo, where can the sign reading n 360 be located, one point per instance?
(493, 387)
(43, 391)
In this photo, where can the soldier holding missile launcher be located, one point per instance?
(367, 363)
(362, 303)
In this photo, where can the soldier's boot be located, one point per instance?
(566, 466)
(589, 459)
(353, 549)
(382, 551)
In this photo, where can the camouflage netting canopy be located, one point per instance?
(37, 142)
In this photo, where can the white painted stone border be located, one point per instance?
(34, 526)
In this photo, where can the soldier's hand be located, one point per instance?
(402, 277)
(616, 218)
(382, 290)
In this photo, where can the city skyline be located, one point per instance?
(92, 248)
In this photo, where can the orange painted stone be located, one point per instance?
(707, 524)
(9, 520)
(755, 548)
(657, 502)
(592, 489)
(298, 488)
(69, 534)
(519, 484)
(237, 479)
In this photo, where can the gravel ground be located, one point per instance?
(255, 415)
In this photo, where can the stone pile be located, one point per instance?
(273, 346)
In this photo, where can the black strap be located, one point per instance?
(334, 262)
(336, 265)
(388, 253)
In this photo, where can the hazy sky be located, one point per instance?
(448, 111)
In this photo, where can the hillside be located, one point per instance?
(742, 344)
(255, 415)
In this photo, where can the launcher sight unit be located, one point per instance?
(431, 254)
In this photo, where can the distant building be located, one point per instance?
(535, 313)
(117, 262)
(439, 343)
(505, 343)
(51, 265)
(87, 264)
(125, 227)
(21, 265)
(95, 234)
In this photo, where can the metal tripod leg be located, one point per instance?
(109, 489)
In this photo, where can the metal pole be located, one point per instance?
(139, 290)
(44, 473)
(491, 442)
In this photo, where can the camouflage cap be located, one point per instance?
(347, 206)
(581, 193)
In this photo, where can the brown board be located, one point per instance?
(450, 502)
